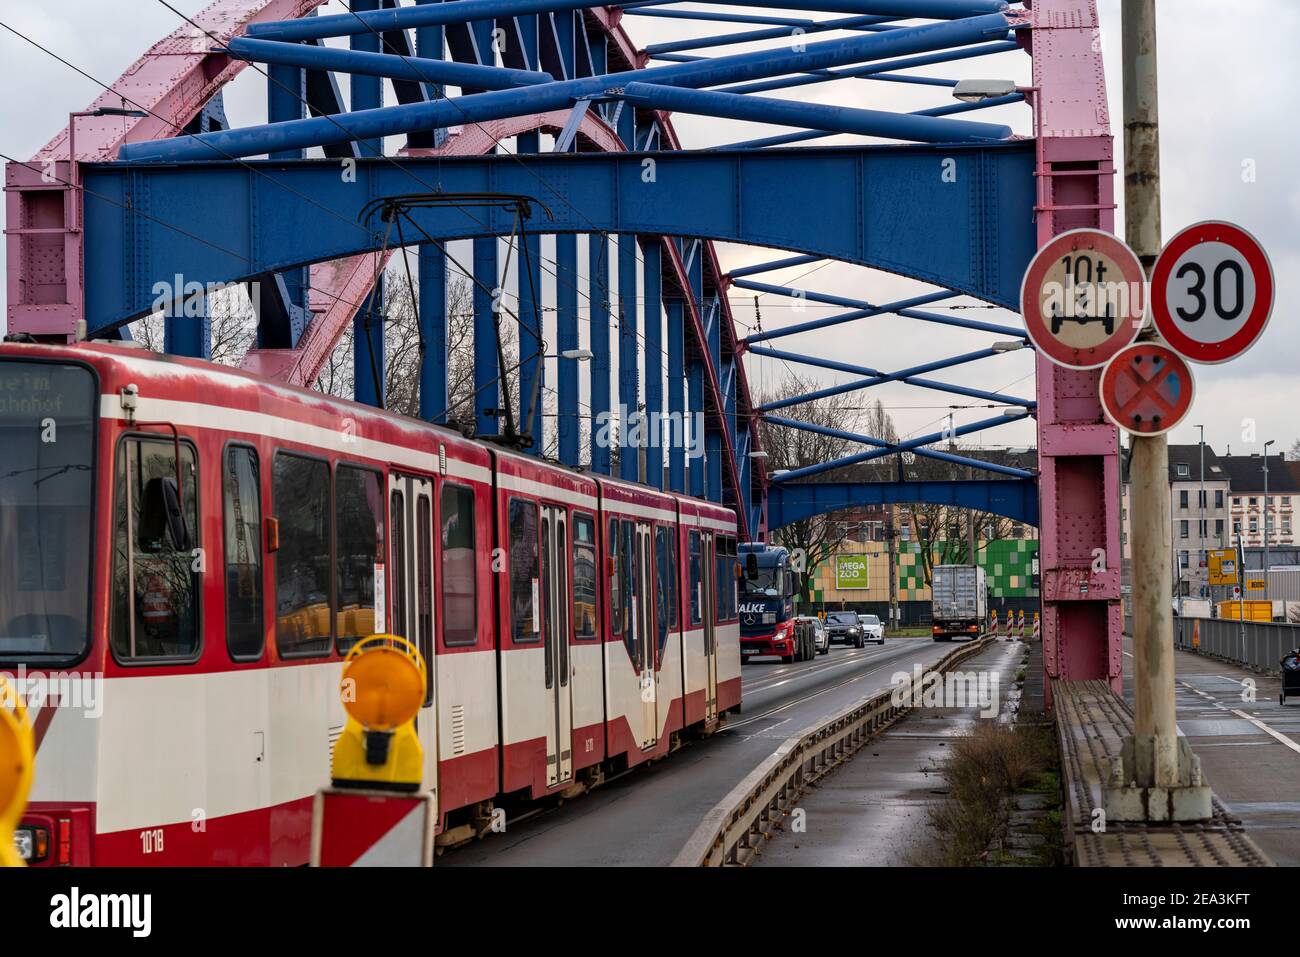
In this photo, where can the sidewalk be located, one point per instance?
(873, 810)
(1249, 746)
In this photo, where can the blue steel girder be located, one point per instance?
(792, 502)
(372, 122)
(972, 236)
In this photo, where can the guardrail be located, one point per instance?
(731, 832)
(1256, 644)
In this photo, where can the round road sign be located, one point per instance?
(1146, 389)
(1083, 298)
(1212, 292)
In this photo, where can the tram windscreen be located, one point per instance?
(47, 430)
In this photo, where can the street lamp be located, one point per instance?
(581, 355)
(983, 91)
(74, 180)
(976, 91)
(1268, 518)
(1013, 345)
(1202, 529)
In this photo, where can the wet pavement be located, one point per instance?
(873, 810)
(1248, 743)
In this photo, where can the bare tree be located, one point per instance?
(233, 327)
(816, 538)
(403, 350)
(949, 535)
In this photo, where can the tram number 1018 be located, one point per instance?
(151, 841)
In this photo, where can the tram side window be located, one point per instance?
(301, 497)
(424, 584)
(241, 480)
(156, 542)
(359, 520)
(671, 575)
(397, 567)
(584, 578)
(665, 599)
(459, 586)
(615, 589)
(697, 578)
(523, 570)
(628, 584)
(726, 578)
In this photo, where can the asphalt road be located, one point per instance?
(1248, 743)
(645, 816)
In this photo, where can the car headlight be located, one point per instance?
(32, 843)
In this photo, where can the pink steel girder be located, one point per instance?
(174, 80)
(1078, 449)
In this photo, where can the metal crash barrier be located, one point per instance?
(731, 833)
(1256, 644)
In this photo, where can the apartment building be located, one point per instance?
(1212, 497)
(1251, 513)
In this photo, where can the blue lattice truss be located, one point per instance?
(953, 207)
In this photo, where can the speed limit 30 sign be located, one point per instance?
(1212, 292)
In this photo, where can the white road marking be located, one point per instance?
(1282, 738)
(776, 679)
(1277, 735)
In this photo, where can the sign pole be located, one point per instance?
(1153, 759)
(1155, 724)
(1241, 595)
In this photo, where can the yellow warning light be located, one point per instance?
(17, 760)
(383, 684)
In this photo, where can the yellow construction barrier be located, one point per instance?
(1250, 610)
(383, 685)
(17, 764)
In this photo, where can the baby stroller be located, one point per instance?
(1290, 676)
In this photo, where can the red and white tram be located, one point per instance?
(189, 550)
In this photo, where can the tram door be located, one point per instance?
(708, 614)
(644, 623)
(556, 618)
(410, 583)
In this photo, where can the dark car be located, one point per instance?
(844, 626)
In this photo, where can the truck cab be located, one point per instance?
(767, 588)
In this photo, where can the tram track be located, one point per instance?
(790, 673)
(644, 815)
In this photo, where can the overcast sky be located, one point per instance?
(1230, 98)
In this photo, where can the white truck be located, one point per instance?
(959, 603)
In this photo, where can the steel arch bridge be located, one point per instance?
(170, 190)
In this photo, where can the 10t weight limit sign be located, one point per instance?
(1082, 298)
(1212, 292)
